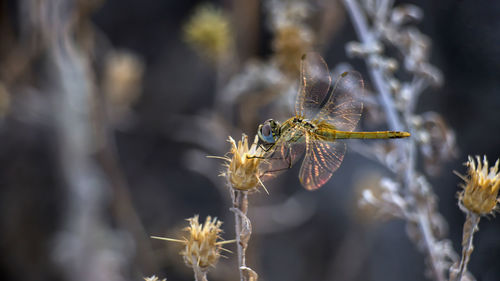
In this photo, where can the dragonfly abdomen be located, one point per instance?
(334, 134)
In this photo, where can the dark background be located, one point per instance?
(161, 166)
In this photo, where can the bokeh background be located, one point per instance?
(107, 113)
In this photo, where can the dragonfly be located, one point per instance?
(325, 116)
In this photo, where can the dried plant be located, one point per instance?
(243, 177)
(208, 31)
(480, 191)
(63, 80)
(243, 165)
(293, 37)
(202, 246)
(121, 83)
(410, 196)
(478, 198)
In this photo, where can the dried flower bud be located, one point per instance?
(202, 248)
(208, 32)
(122, 81)
(289, 44)
(481, 187)
(243, 167)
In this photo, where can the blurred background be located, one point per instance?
(108, 109)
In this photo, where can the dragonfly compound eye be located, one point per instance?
(266, 133)
(266, 130)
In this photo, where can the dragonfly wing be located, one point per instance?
(284, 154)
(343, 108)
(321, 160)
(315, 82)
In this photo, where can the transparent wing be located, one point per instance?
(315, 82)
(284, 154)
(321, 160)
(344, 106)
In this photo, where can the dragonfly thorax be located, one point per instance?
(304, 122)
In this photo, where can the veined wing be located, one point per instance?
(344, 106)
(315, 82)
(321, 160)
(286, 152)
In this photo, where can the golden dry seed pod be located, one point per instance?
(243, 170)
(243, 164)
(481, 186)
(202, 248)
(203, 244)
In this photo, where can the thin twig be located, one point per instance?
(428, 239)
(242, 227)
(237, 224)
(199, 274)
(470, 227)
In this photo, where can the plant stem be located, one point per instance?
(428, 239)
(367, 38)
(199, 275)
(242, 227)
(470, 226)
(407, 150)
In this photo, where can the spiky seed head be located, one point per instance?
(243, 164)
(201, 247)
(481, 186)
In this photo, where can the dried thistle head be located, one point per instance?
(481, 186)
(289, 44)
(243, 171)
(203, 244)
(208, 32)
(202, 248)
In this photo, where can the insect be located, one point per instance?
(324, 117)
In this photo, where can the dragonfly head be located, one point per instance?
(269, 131)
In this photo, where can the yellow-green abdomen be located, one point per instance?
(334, 134)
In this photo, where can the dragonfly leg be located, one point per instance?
(263, 147)
(277, 170)
(287, 158)
(267, 147)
